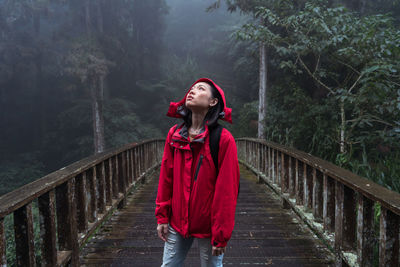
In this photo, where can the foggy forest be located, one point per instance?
(332, 89)
(81, 77)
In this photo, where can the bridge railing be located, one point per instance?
(73, 202)
(337, 204)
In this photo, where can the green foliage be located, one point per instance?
(23, 169)
(86, 61)
(123, 125)
(246, 126)
(336, 56)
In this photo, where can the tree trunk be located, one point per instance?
(262, 91)
(363, 4)
(342, 127)
(97, 114)
(100, 26)
(87, 18)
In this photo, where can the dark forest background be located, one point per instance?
(132, 57)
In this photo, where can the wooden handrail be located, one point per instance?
(322, 193)
(74, 201)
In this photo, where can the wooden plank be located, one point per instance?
(317, 196)
(82, 202)
(3, 245)
(389, 239)
(24, 237)
(365, 231)
(47, 220)
(279, 242)
(329, 203)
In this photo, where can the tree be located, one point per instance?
(355, 59)
(87, 62)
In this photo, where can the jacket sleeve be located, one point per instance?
(226, 191)
(164, 193)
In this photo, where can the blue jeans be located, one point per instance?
(177, 247)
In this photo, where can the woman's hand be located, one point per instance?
(162, 230)
(216, 251)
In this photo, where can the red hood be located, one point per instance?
(173, 106)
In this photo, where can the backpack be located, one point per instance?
(215, 136)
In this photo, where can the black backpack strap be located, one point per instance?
(215, 136)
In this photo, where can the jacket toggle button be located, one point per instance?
(181, 146)
(172, 143)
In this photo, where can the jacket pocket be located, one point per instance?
(198, 167)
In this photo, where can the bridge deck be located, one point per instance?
(264, 234)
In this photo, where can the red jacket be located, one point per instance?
(191, 197)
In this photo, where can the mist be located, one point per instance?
(81, 77)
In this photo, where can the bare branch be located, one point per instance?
(348, 65)
(316, 66)
(312, 75)
(355, 83)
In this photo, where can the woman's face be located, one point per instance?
(200, 98)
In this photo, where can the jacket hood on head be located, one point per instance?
(176, 108)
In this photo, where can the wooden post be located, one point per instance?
(3, 258)
(339, 203)
(307, 185)
(108, 183)
(92, 187)
(269, 164)
(299, 182)
(292, 176)
(115, 185)
(284, 173)
(47, 220)
(277, 166)
(350, 219)
(389, 239)
(329, 203)
(317, 199)
(66, 220)
(81, 205)
(273, 164)
(101, 203)
(132, 165)
(24, 238)
(121, 179)
(365, 231)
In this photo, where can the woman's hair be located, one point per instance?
(213, 113)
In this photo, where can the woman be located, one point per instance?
(195, 198)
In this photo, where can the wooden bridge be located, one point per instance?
(293, 210)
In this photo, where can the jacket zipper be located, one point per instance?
(198, 167)
(195, 178)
